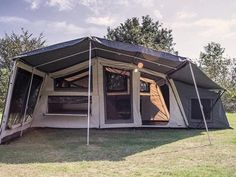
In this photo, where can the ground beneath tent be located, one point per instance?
(125, 152)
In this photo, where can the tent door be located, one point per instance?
(118, 97)
(153, 106)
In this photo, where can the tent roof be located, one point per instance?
(63, 55)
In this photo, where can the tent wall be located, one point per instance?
(14, 121)
(217, 117)
(98, 111)
(42, 119)
(97, 118)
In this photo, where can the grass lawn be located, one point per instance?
(126, 152)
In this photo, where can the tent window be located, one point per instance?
(19, 97)
(144, 86)
(118, 102)
(34, 93)
(117, 80)
(196, 111)
(68, 104)
(73, 82)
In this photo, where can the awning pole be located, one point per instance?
(199, 100)
(89, 89)
(27, 103)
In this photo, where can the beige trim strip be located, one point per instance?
(30, 69)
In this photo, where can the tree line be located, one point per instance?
(145, 32)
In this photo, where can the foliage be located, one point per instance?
(146, 33)
(222, 70)
(11, 46)
(4, 77)
(229, 100)
(15, 44)
(213, 62)
(230, 96)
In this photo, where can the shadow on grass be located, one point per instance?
(69, 145)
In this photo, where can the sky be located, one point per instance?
(194, 22)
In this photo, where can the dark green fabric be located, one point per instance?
(187, 92)
(60, 56)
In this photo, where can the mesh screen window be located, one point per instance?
(73, 82)
(116, 80)
(68, 104)
(117, 95)
(196, 111)
(19, 97)
(144, 87)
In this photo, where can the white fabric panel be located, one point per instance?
(136, 98)
(176, 96)
(30, 69)
(122, 65)
(101, 94)
(94, 120)
(65, 121)
(71, 69)
(136, 113)
(176, 119)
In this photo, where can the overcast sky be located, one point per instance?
(194, 22)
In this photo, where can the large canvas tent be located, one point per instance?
(97, 83)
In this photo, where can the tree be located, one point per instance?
(221, 70)
(11, 46)
(147, 33)
(4, 77)
(230, 96)
(15, 44)
(214, 64)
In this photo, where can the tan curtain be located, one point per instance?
(157, 99)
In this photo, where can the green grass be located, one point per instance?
(121, 152)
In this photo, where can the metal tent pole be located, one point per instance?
(27, 102)
(199, 100)
(89, 89)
